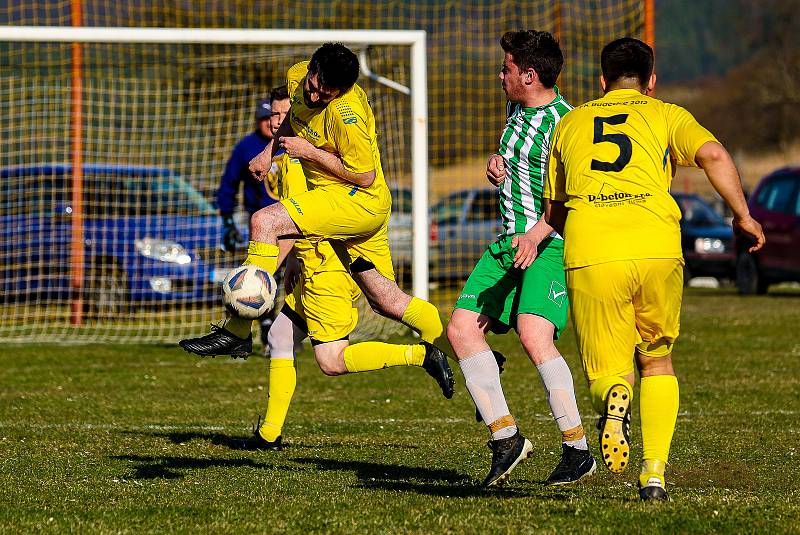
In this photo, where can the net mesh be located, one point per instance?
(159, 122)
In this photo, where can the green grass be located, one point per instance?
(134, 439)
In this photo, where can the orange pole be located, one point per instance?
(650, 23)
(557, 17)
(76, 131)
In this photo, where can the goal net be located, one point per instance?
(159, 118)
(114, 144)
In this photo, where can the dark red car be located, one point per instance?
(775, 203)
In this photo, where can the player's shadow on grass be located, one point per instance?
(238, 442)
(173, 467)
(183, 437)
(420, 480)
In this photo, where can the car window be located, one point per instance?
(448, 210)
(797, 201)
(485, 207)
(698, 213)
(24, 194)
(105, 194)
(778, 194)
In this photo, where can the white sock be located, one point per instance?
(483, 383)
(283, 338)
(557, 381)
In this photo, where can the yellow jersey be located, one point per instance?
(611, 163)
(313, 255)
(346, 128)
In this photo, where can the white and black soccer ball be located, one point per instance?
(248, 292)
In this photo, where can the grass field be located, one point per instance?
(135, 439)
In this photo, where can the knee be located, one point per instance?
(465, 336)
(455, 330)
(655, 365)
(331, 367)
(261, 218)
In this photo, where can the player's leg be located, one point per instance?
(605, 327)
(371, 266)
(387, 299)
(329, 306)
(658, 406)
(267, 225)
(370, 263)
(486, 302)
(284, 337)
(541, 317)
(658, 320)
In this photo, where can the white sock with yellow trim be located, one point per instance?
(557, 381)
(483, 383)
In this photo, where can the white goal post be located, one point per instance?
(419, 105)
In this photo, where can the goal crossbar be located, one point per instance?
(415, 39)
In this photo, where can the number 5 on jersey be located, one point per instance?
(621, 140)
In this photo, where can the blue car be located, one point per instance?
(706, 239)
(149, 237)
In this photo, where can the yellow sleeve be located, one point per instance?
(292, 181)
(686, 135)
(346, 120)
(555, 185)
(295, 76)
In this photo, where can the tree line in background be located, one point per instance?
(738, 63)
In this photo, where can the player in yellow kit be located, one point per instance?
(608, 184)
(332, 132)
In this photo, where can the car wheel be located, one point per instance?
(749, 280)
(105, 293)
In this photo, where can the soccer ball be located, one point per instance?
(248, 292)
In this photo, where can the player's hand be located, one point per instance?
(291, 274)
(297, 147)
(261, 164)
(751, 228)
(231, 238)
(496, 169)
(527, 249)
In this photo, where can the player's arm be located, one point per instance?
(298, 147)
(721, 172)
(261, 164)
(227, 200)
(527, 245)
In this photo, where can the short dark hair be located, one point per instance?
(278, 93)
(335, 65)
(627, 58)
(537, 50)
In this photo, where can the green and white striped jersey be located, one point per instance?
(525, 146)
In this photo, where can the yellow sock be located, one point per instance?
(238, 326)
(263, 255)
(658, 407)
(282, 381)
(424, 318)
(366, 356)
(599, 388)
(651, 468)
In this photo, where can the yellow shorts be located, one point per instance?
(325, 305)
(622, 307)
(360, 223)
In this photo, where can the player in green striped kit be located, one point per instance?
(519, 282)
